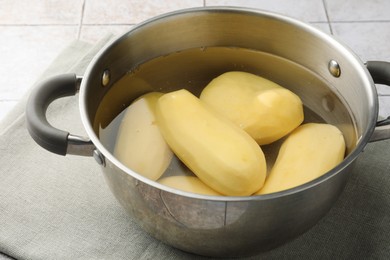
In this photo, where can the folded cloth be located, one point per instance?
(54, 207)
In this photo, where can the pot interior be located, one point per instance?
(190, 48)
(193, 69)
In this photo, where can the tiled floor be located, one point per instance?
(32, 33)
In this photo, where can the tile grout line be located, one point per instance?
(327, 16)
(108, 24)
(70, 25)
(81, 20)
(37, 24)
(361, 21)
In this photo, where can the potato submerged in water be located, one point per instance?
(221, 154)
(188, 183)
(264, 109)
(308, 152)
(140, 145)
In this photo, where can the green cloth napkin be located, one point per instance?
(54, 207)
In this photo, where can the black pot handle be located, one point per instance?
(53, 139)
(380, 73)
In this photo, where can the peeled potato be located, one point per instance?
(140, 145)
(188, 183)
(308, 152)
(264, 109)
(221, 154)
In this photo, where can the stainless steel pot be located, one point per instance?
(329, 78)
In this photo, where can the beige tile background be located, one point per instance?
(34, 32)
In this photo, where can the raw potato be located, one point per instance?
(264, 109)
(309, 151)
(221, 154)
(140, 145)
(188, 183)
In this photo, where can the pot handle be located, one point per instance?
(380, 73)
(53, 139)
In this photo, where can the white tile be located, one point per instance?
(305, 10)
(384, 106)
(25, 53)
(383, 90)
(324, 26)
(40, 12)
(358, 10)
(369, 40)
(6, 107)
(93, 33)
(131, 11)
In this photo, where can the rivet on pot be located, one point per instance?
(99, 158)
(328, 103)
(106, 77)
(334, 68)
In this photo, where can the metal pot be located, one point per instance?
(329, 78)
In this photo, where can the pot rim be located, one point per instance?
(348, 160)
